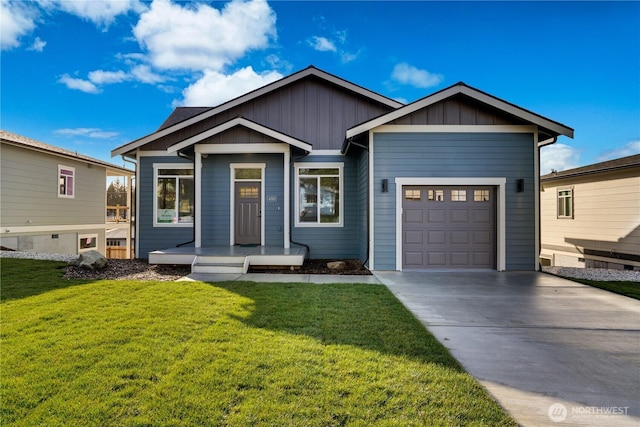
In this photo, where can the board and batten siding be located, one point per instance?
(456, 155)
(156, 238)
(332, 242)
(310, 110)
(606, 217)
(29, 190)
(363, 204)
(216, 184)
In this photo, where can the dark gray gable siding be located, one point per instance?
(333, 242)
(239, 135)
(216, 182)
(155, 238)
(458, 110)
(457, 155)
(310, 109)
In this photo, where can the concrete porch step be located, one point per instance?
(218, 264)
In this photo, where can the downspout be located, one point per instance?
(540, 145)
(308, 255)
(184, 156)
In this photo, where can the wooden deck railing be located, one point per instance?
(118, 217)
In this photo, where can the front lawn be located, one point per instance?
(629, 289)
(237, 353)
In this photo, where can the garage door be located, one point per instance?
(448, 227)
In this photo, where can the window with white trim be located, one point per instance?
(66, 181)
(565, 203)
(175, 195)
(319, 198)
(87, 242)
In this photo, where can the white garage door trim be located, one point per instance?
(499, 183)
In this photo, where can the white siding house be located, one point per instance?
(53, 200)
(591, 216)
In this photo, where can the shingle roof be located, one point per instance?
(25, 142)
(181, 114)
(608, 166)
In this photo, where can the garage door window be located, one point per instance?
(412, 194)
(458, 195)
(436, 195)
(481, 195)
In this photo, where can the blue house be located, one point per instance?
(313, 165)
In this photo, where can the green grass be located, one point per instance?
(133, 353)
(629, 289)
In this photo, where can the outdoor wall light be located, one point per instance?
(385, 185)
(520, 185)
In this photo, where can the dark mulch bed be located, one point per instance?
(319, 266)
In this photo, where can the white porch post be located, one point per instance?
(287, 196)
(197, 172)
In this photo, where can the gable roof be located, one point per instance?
(209, 112)
(240, 121)
(608, 166)
(32, 144)
(554, 128)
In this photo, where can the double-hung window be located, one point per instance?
(319, 198)
(66, 181)
(565, 203)
(174, 201)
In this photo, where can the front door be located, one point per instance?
(248, 216)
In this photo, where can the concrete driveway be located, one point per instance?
(551, 351)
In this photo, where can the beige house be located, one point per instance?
(590, 216)
(53, 200)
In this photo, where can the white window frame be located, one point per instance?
(314, 165)
(570, 196)
(156, 167)
(73, 182)
(88, 236)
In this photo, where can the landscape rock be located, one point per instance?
(92, 260)
(336, 265)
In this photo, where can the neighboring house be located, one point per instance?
(53, 200)
(591, 216)
(448, 181)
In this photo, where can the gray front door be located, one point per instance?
(248, 216)
(448, 227)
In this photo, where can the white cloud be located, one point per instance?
(144, 74)
(199, 37)
(87, 132)
(215, 88)
(79, 84)
(629, 149)
(38, 45)
(16, 20)
(407, 74)
(558, 157)
(100, 77)
(101, 12)
(322, 44)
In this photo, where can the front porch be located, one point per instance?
(229, 259)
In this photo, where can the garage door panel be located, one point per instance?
(413, 216)
(455, 230)
(414, 237)
(436, 237)
(436, 259)
(437, 215)
(459, 237)
(459, 216)
(413, 259)
(459, 259)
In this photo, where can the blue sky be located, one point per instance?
(90, 76)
